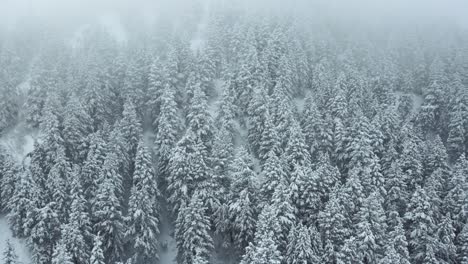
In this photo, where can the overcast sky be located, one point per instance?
(60, 11)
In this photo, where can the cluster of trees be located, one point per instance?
(286, 144)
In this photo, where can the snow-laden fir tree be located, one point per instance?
(76, 234)
(299, 247)
(61, 254)
(264, 249)
(108, 220)
(143, 213)
(9, 255)
(192, 232)
(168, 129)
(97, 255)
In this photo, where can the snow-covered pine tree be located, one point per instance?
(108, 220)
(299, 247)
(76, 234)
(10, 173)
(21, 204)
(92, 165)
(370, 229)
(455, 200)
(273, 172)
(45, 230)
(462, 246)
(9, 255)
(61, 254)
(421, 237)
(243, 201)
(264, 249)
(97, 255)
(168, 130)
(194, 241)
(143, 213)
(77, 125)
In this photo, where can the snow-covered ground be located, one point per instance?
(168, 253)
(22, 251)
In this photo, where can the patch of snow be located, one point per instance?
(214, 101)
(417, 100)
(299, 102)
(168, 253)
(19, 142)
(21, 249)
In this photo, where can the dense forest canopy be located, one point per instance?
(235, 132)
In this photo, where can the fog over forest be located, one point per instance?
(225, 132)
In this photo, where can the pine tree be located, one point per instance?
(349, 253)
(395, 185)
(242, 212)
(390, 256)
(265, 247)
(131, 130)
(97, 255)
(258, 115)
(436, 157)
(21, 204)
(411, 159)
(61, 255)
(430, 113)
(242, 203)
(156, 88)
(421, 218)
(192, 232)
(334, 223)
(9, 176)
(456, 137)
(188, 167)
(269, 139)
(282, 115)
(9, 255)
(108, 220)
(370, 229)
(45, 231)
(92, 165)
(328, 175)
(77, 125)
(296, 150)
(312, 124)
(455, 201)
(397, 241)
(198, 118)
(169, 127)
(463, 245)
(58, 186)
(305, 193)
(284, 213)
(142, 228)
(221, 157)
(445, 247)
(273, 175)
(299, 248)
(76, 234)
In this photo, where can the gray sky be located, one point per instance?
(60, 11)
